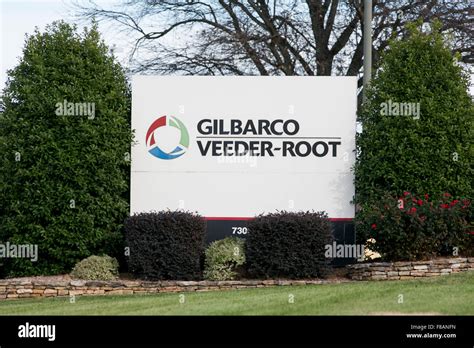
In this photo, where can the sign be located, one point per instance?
(231, 148)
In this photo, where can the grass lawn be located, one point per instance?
(453, 294)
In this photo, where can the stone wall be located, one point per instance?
(409, 270)
(12, 289)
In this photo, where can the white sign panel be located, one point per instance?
(235, 147)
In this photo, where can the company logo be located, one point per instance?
(157, 151)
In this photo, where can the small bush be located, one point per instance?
(166, 244)
(224, 258)
(288, 245)
(96, 268)
(417, 227)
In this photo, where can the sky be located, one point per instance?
(19, 17)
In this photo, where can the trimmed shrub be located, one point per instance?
(288, 245)
(166, 244)
(224, 259)
(96, 268)
(417, 227)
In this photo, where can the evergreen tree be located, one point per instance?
(401, 149)
(64, 142)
